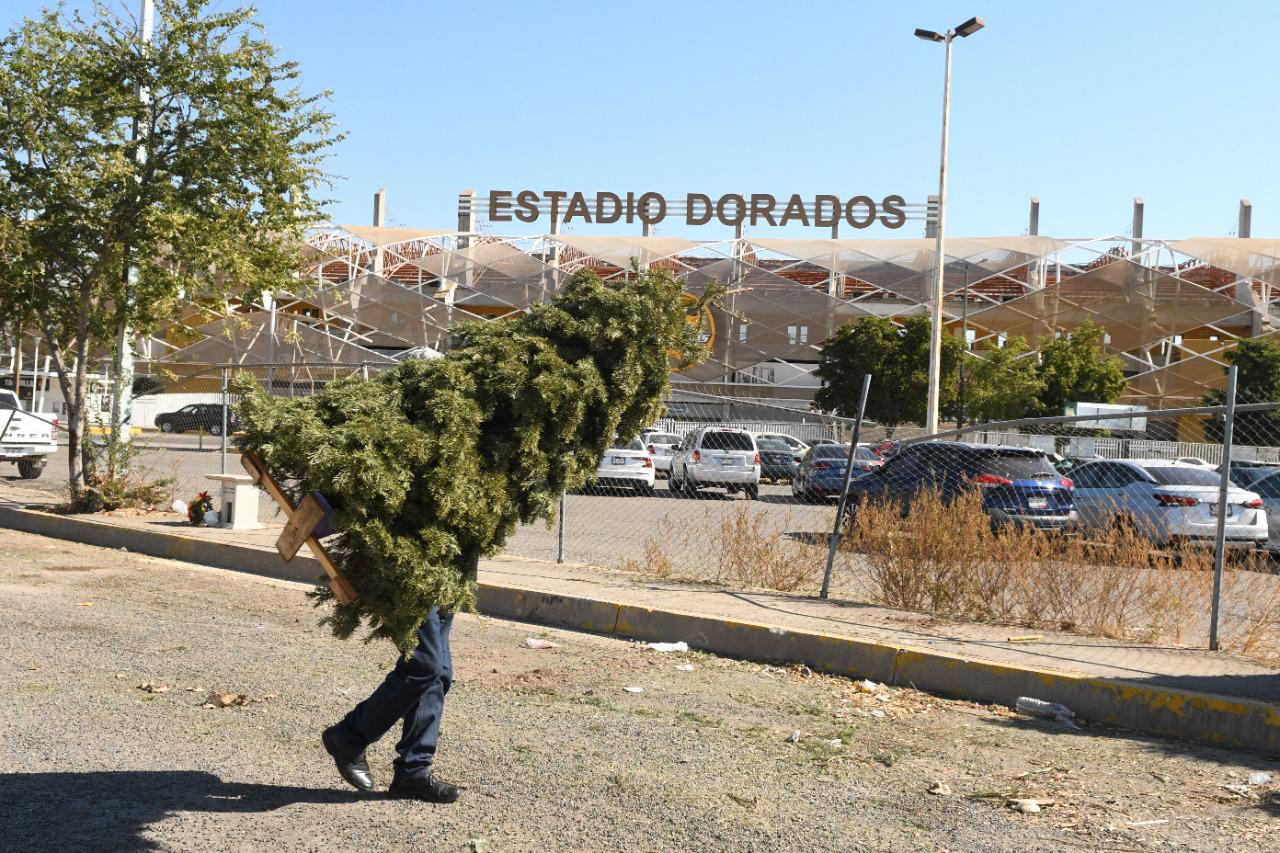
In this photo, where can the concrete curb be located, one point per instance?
(1155, 709)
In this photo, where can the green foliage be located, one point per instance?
(1074, 369)
(897, 357)
(1003, 383)
(433, 464)
(1257, 362)
(210, 196)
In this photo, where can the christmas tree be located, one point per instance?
(432, 465)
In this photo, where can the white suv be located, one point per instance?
(716, 456)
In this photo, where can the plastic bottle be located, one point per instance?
(1040, 708)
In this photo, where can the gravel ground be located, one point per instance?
(555, 753)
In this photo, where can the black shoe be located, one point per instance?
(351, 763)
(427, 788)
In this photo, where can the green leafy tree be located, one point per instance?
(897, 357)
(1257, 362)
(190, 160)
(1003, 383)
(1074, 368)
(431, 465)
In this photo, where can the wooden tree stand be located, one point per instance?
(300, 528)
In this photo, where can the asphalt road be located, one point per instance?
(105, 743)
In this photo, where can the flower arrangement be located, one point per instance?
(199, 505)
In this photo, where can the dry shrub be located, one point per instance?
(750, 551)
(945, 559)
(656, 562)
(743, 548)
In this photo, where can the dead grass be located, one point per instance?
(946, 560)
(743, 548)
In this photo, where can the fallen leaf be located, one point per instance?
(225, 700)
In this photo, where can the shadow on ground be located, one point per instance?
(110, 810)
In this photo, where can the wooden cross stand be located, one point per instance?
(300, 529)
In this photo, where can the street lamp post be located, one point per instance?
(965, 30)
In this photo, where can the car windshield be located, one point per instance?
(1018, 466)
(633, 444)
(831, 451)
(662, 438)
(721, 440)
(1183, 475)
(8, 401)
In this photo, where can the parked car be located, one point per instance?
(820, 472)
(1018, 485)
(1268, 488)
(797, 446)
(26, 438)
(1245, 473)
(206, 417)
(716, 456)
(626, 464)
(777, 459)
(659, 445)
(1166, 501)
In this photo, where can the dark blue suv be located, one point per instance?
(1019, 485)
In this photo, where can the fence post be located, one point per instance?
(834, 540)
(224, 422)
(560, 531)
(1224, 483)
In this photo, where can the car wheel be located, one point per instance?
(674, 486)
(30, 469)
(216, 429)
(753, 491)
(166, 426)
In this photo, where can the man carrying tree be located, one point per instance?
(432, 465)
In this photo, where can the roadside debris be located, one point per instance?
(153, 687)
(535, 643)
(794, 737)
(680, 646)
(866, 685)
(225, 700)
(1029, 806)
(1259, 778)
(1026, 638)
(941, 789)
(1046, 711)
(685, 667)
(634, 689)
(1137, 823)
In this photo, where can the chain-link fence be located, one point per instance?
(1119, 525)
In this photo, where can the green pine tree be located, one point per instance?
(432, 465)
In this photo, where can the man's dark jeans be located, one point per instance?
(414, 691)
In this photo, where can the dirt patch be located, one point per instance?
(556, 751)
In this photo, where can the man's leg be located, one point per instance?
(417, 746)
(398, 695)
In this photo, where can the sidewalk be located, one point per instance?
(975, 661)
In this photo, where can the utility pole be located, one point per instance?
(122, 362)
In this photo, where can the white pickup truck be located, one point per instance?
(27, 439)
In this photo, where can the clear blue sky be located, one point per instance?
(1084, 104)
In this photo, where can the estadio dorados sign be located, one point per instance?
(732, 209)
